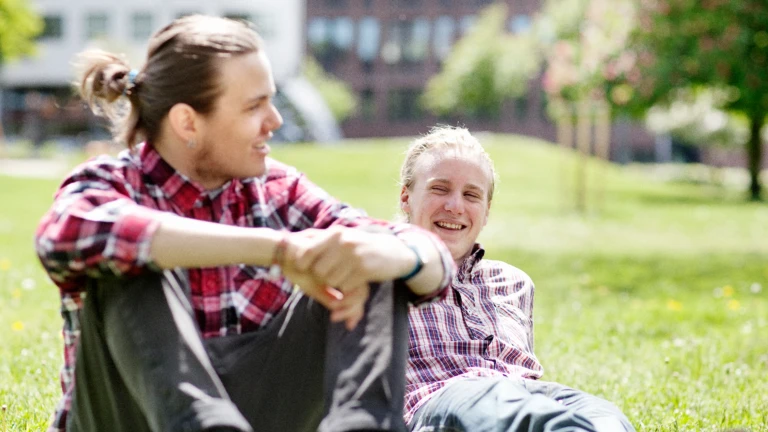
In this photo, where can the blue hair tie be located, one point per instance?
(131, 82)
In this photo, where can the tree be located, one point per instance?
(486, 66)
(337, 94)
(18, 27)
(694, 44)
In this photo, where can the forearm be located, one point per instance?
(184, 242)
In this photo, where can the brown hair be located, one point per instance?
(182, 66)
(442, 137)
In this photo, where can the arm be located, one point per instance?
(308, 206)
(96, 227)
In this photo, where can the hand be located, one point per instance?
(348, 307)
(348, 258)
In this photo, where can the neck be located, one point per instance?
(187, 161)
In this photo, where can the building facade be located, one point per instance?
(387, 50)
(125, 27)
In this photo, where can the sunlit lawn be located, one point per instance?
(656, 299)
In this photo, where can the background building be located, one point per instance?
(387, 51)
(125, 27)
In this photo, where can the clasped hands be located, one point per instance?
(335, 266)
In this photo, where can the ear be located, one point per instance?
(184, 121)
(405, 206)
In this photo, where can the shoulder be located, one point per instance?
(501, 273)
(277, 171)
(123, 170)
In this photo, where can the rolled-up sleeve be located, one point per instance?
(94, 228)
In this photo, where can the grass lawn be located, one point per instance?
(656, 299)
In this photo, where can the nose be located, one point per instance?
(454, 204)
(274, 120)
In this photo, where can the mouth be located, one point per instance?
(261, 147)
(450, 226)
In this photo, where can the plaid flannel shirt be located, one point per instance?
(103, 219)
(483, 327)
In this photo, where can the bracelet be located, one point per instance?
(277, 258)
(416, 268)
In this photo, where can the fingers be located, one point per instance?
(315, 246)
(351, 308)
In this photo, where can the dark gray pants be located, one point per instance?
(142, 365)
(500, 404)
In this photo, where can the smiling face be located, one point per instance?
(232, 140)
(449, 197)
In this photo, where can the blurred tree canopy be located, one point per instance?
(336, 93)
(692, 45)
(19, 25)
(486, 66)
(642, 56)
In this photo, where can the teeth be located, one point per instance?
(449, 225)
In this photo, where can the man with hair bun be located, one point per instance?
(471, 365)
(205, 286)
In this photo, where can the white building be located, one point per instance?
(125, 27)
(74, 25)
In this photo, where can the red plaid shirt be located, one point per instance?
(483, 327)
(103, 219)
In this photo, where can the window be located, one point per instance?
(343, 33)
(317, 32)
(141, 25)
(404, 105)
(336, 4)
(521, 107)
(519, 24)
(368, 39)
(368, 105)
(407, 41)
(445, 27)
(96, 26)
(330, 39)
(53, 27)
(466, 23)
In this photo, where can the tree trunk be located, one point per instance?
(754, 154)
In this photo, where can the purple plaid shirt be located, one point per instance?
(483, 327)
(103, 219)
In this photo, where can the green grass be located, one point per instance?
(656, 299)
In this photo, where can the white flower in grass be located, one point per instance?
(28, 284)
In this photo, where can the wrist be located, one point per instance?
(418, 264)
(278, 256)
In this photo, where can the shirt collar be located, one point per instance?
(178, 188)
(466, 265)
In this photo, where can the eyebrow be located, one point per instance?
(260, 98)
(471, 186)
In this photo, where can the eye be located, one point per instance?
(440, 189)
(472, 196)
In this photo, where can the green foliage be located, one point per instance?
(658, 304)
(680, 44)
(485, 66)
(18, 27)
(687, 43)
(337, 94)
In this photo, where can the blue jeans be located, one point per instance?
(485, 404)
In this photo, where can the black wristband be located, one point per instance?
(416, 268)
